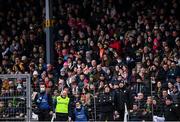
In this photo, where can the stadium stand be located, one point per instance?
(109, 55)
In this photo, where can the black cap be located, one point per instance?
(178, 76)
(169, 98)
(135, 103)
(116, 82)
(60, 58)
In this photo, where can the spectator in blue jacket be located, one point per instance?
(80, 113)
(44, 104)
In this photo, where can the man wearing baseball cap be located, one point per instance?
(171, 111)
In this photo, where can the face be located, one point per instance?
(49, 67)
(82, 77)
(164, 93)
(135, 107)
(79, 70)
(140, 96)
(116, 86)
(143, 70)
(170, 85)
(117, 68)
(178, 43)
(158, 84)
(40, 49)
(149, 100)
(93, 63)
(168, 102)
(105, 57)
(173, 65)
(1, 104)
(17, 60)
(99, 68)
(178, 79)
(106, 90)
(55, 93)
(78, 105)
(121, 85)
(83, 65)
(42, 88)
(165, 67)
(64, 93)
(41, 60)
(91, 79)
(19, 90)
(154, 102)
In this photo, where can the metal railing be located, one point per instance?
(15, 97)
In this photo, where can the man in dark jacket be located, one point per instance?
(120, 98)
(44, 104)
(138, 87)
(175, 94)
(106, 102)
(171, 111)
(135, 114)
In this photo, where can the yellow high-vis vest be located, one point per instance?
(62, 105)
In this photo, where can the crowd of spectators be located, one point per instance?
(129, 45)
(12, 99)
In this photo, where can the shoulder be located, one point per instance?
(58, 97)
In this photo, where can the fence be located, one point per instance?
(15, 97)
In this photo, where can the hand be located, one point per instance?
(117, 116)
(50, 112)
(131, 111)
(144, 113)
(54, 115)
(69, 119)
(116, 113)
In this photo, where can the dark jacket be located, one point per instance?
(176, 97)
(135, 115)
(78, 110)
(119, 99)
(171, 113)
(139, 87)
(106, 102)
(39, 99)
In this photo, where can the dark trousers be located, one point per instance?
(44, 115)
(121, 115)
(106, 116)
(61, 117)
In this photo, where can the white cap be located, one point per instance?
(35, 73)
(19, 86)
(23, 58)
(177, 38)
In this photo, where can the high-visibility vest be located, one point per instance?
(62, 105)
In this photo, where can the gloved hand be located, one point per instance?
(54, 115)
(69, 119)
(116, 113)
(51, 113)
